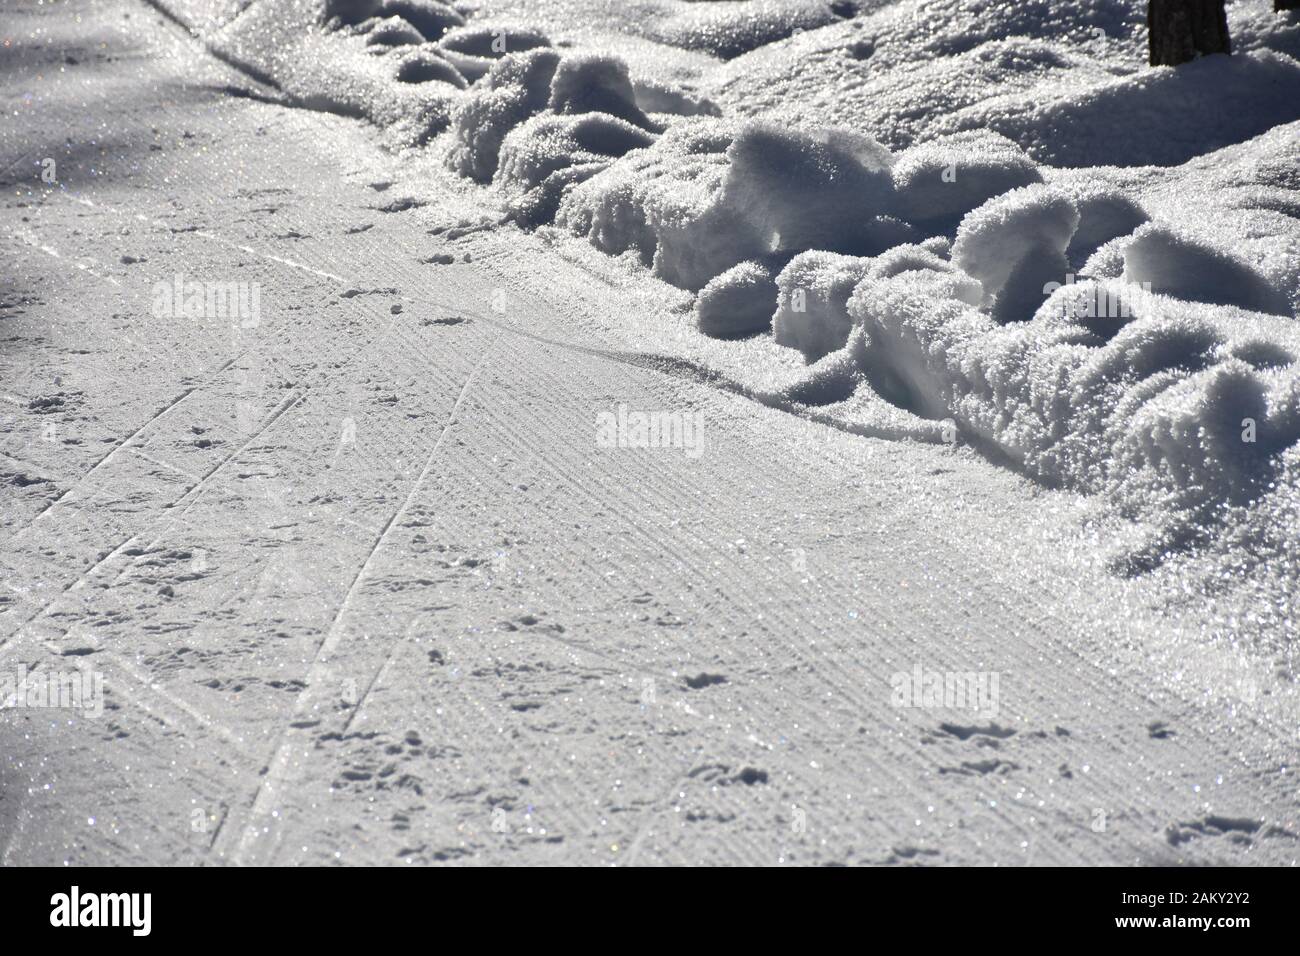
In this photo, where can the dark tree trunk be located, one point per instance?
(1182, 30)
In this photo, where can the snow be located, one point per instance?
(820, 188)
(517, 87)
(814, 290)
(938, 236)
(476, 47)
(422, 66)
(812, 302)
(1106, 212)
(967, 326)
(737, 302)
(728, 30)
(1156, 256)
(710, 194)
(1143, 119)
(938, 182)
(944, 176)
(431, 19)
(663, 202)
(1110, 390)
(1015, 244)
(547, 154)
(592, 83)
(348, 57)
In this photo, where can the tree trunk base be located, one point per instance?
(1182, 30)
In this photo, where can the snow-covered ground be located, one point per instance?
(577, 431)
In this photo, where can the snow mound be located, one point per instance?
(475, 48)
(1107, 262)
(590, 83)
(813, 292)
(1167, 115)
(1174, 265)
(1161, 414)
(728, 30)
(938, 182)
(737, 302)
(549, 153)
(663, 203)
(423, 66)
(517, 87)
(539, 123)
(812, 301)
(819, 188)
(1106, 212)
(1015, 245)
(391, 31)
(835, 379)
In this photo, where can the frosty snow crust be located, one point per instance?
(1045, 316)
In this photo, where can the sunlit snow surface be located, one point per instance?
(965, 216)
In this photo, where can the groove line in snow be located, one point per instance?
(78, 582)
(278, 778)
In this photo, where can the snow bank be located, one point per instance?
(663, 202)
(1162, 116)
(1165, 377)
(1161, 414)
(1040, 308)
(376, 59)
(710, 194)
